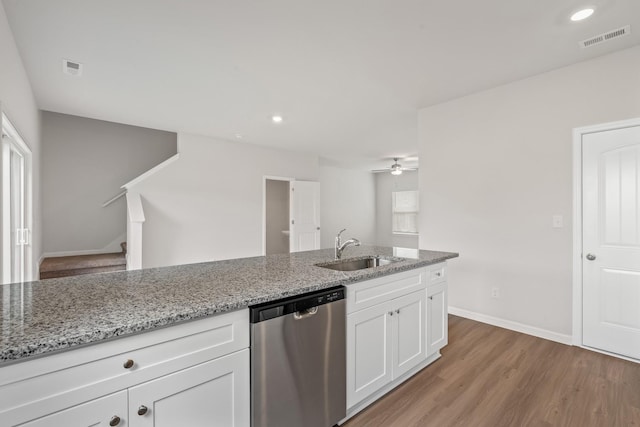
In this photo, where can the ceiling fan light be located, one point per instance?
(396, 171)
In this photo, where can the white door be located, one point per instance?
(409, 347)
(15, 179)
(106, 411)
(611, 241)
(211, 394)
(369, 354)
(304, 233)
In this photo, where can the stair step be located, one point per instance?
(66, 266)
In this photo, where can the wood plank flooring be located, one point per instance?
(494, 377)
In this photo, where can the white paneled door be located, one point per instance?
(611, 241)
(305, 216)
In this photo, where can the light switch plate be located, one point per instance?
(558, 221)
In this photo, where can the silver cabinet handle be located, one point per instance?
(115, 420)
(398, 311)
(142, 410)
(431, 298)
(128, 364)
(391, 313)
(591, 257)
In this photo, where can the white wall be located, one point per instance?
(208, 205)
(347, 200)
(495, 167)
(84, 164)
(18, 103)
(386, 184)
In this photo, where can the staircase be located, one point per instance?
(76, 265)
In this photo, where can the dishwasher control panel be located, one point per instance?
(270, 310)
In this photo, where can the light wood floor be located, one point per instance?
(494, 377)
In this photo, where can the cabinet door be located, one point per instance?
(106, 411)
(409, 347)
(368, 352)
(211, 394)
(437, 321)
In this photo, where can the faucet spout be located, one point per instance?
(340, 247)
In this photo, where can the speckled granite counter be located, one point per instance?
(56, 314)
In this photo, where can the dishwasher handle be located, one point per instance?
(303, 314)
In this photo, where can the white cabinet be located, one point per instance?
(408, 338)
(395, 326)
(110, 410)
(369, 352)
(384, 342)
(437, 324)
(191, 374)
(212, 394)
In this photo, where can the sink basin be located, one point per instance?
(358, 263)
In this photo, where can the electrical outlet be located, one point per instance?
(495, 292)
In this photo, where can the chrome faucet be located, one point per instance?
(342, 246)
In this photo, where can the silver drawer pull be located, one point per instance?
(302, 314)
(142, 410)
(115, 420)
(128, 364)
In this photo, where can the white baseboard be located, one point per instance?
(514, 326)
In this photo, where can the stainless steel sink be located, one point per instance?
(358, 263)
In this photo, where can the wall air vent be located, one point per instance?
(610, 35)
(71, 67)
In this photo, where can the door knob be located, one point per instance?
(591, 257)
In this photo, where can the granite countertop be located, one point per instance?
(47, 316)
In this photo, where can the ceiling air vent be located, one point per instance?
(610, 35)
(72, 68)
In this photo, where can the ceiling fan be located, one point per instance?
(395, 169)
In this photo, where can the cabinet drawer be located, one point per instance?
(437, 273)
(75, 376)
(371, 292)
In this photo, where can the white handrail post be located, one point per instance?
(135, 219)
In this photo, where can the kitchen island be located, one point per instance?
(43, 319)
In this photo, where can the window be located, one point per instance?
(405, 212)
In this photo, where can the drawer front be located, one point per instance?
(371, 292)
(437, 273)
(149, 355)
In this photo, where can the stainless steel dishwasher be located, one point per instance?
(298, 361)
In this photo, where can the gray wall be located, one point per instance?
(347, 200)
(385, 185)
(277, 217)
(18, 103)
(84, 163)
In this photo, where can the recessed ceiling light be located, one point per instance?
(238, 136)
(276, 119)
(582, 14)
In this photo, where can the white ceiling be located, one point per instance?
(348, 76)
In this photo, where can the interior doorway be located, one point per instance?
(607, 238)
(16, 184)
(277, 216)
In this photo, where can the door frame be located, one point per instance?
(264, 206)
(7, 126)
(578, 133)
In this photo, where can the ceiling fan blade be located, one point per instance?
(380, 170)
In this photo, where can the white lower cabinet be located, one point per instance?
(437, 324)
(193, 374)
(384, 342)
(106, 411)
(214, 393)
(396, 325)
